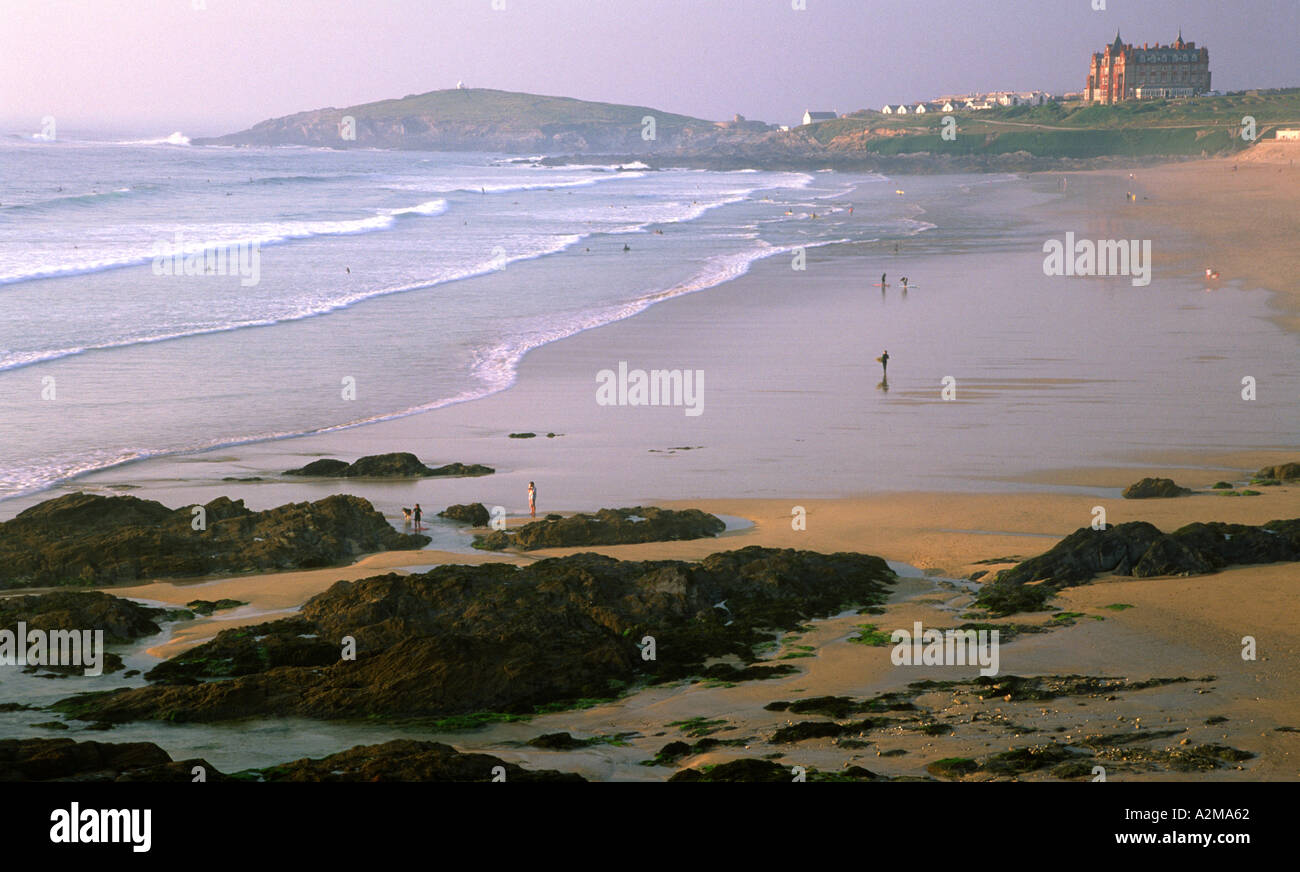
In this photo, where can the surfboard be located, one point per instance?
(879, 285)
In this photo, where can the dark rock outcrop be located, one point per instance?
(326, 467)
(120, 619)
(248, 650)
(1281, 472)
(1153, 488)
(474, 514)
(461, 470)
(69, 760)
(89, 539)
(1139, 549)
(408, 760)
(401, 464)
(26, 760)
(207, 607)
(750, 769)
(499, 638)
(606, 527)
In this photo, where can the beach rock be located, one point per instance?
(558, 742)
(324, 467)
(1141, 550)
(474, 514)
(750, 769)
(89, 539)
(606, 527)
(1281, 472)
(207, 607)
(247, 650)
(69, 760)
(498, 638)
(1153, 488)
(121, 620)
(396, 465)
(461, 470)
(109, 663)
(408, 760)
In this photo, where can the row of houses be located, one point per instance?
(970, 102)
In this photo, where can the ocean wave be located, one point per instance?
(508, 187)
(496, 367)
(212, 237)
(82, 199)
(176, 138)
(310, 309)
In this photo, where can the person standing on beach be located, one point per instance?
(884, 363)
(418, 514)
(532, 500)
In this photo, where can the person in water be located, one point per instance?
(532, 499)
(904, 283)
(884, 363)
(882, 280)
(417, 513)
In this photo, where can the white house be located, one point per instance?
(901, 110)
(920, 109)
(813, 117)
(948, 107)
(888, 110)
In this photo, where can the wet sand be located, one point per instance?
(745, 463)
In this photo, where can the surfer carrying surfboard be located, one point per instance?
(884, 362)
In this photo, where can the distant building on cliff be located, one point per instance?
(1128, 72)
(811, 117)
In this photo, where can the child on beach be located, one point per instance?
(532, 500)
(418, 514)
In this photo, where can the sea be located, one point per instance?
(159, 298)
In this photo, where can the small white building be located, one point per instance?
(901, 110)
(813, 117)
(888, 110)
(947, 106)
(1289, 133)
(920, 109)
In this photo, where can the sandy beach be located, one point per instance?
(765, 446)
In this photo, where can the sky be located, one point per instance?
(207, 67)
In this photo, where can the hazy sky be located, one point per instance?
(155, 66)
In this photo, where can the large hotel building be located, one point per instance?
(1131, 72)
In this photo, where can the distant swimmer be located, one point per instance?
(904, 284)
(626, 247)
(348, 269)
(850, 210)
(882, 280)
